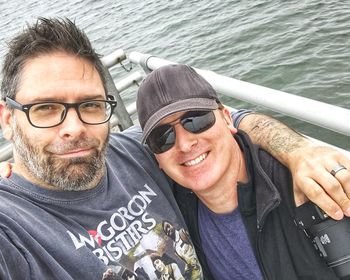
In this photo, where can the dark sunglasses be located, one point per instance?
(162, 138)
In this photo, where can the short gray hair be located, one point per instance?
(44, 37)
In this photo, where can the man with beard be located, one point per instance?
(81, 203)
(72, 208)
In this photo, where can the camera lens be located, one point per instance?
(332, 239)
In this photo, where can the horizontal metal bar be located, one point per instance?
(328, 116)
(113, 58)
(131, 108)
(129, 80)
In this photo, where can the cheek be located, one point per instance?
(99, 132)
(221, 133)
(40, 139)
(36, 137)
(161, 158)
(166, 162)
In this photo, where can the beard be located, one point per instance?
(70, 174)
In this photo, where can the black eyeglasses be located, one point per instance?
(50, 114)
(162, 138)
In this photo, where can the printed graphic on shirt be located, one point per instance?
(135, 244)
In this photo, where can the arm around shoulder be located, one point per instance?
(310, 163)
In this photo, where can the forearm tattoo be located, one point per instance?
(272, 135)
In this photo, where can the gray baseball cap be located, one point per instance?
(171, 89)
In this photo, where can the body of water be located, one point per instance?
(301, 47)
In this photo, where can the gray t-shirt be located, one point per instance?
(48, 234)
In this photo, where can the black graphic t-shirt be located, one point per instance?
(129, 224)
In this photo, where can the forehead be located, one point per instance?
(58, 75)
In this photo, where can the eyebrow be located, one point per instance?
(57, 99)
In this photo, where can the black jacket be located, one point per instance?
(282, 250)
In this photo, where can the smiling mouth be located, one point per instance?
(196, 160)
(76, 153)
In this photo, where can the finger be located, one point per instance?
(337, 187)
(343, 178)
(5, 169)
(342, 174)
(299, 198)
(334, 188)
(320, 197)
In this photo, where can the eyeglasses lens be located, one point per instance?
(51, 114)
(46, 114)
(94, 111)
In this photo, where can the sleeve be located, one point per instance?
(238, 116)
(13, 264)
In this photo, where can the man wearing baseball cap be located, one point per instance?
(236, 198)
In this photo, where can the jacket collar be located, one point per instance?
(261, 195)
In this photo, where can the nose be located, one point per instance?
(185, 140)
(72, 127)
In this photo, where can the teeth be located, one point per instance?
(196, 160)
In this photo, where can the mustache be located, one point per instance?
(61, 148)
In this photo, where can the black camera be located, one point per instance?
(331, 238)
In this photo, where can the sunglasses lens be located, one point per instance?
(161, 139)
(197, 122)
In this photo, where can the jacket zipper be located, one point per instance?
(258, 237)
(259, 258)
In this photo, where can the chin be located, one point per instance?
(200, 181)
(198, 187)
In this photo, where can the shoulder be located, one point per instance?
(135, 162)
(259, 156)
(11, 197)
(127, 144)
(265, 169)
(132, 135)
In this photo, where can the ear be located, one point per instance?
(6, 121)
(228, 120)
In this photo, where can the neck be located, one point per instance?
(222, 197)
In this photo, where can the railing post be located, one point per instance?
(124, 120)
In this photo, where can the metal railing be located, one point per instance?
(312, 111)
(305, 109)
